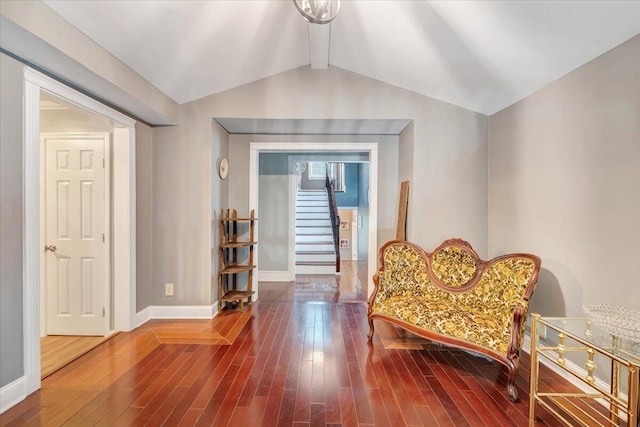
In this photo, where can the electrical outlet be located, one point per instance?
(168, 289)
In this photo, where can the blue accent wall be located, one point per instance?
(349, 198)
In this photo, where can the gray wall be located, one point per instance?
(447, 155)
(144, 215)
(405, 172)
(363, 211)
(449, 160)
(273, 208)
(11, 223)
(311, 184)
(187, 197)
(564, 183)
(183, 213)
(275, 172)
(219, 196)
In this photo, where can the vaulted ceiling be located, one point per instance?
(480, 55)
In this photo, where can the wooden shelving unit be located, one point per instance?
(229, 251)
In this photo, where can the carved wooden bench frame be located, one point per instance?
(512, 360)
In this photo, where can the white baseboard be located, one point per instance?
(12, 394)
(176, 312)
(143, 316)
(275, 276)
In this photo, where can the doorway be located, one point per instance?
(76, 207)
(75, 202)
(370, 148)
(120, 303)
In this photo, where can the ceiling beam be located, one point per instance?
(319, 40)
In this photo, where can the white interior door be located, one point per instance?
(76, 252)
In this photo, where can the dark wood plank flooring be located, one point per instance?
(293, 363)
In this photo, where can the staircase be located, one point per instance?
(315, 253)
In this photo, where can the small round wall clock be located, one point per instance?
(223, 169)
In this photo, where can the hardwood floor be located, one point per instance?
(281, 362)
(353, 280)
(350, 286)
(57, 351)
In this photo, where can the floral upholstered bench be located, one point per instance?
(453, 297)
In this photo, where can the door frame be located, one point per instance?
(123, 220)
(44, 324)
(255, 148)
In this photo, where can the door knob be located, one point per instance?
(51, 248)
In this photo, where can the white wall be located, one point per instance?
(564, 183)
(449, 148)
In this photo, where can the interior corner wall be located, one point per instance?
(11, 219)
(144, 215)
(219, 198)
(564, 182)
(182, 217)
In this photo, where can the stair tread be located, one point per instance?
(315, 253)
(327, 263)
(322, 242)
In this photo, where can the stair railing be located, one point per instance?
(335, 219)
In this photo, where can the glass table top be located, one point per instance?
(585, 330)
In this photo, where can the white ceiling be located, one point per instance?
(480, 55)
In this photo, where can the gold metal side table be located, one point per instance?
(580, 336)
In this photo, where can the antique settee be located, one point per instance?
(453, 297)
